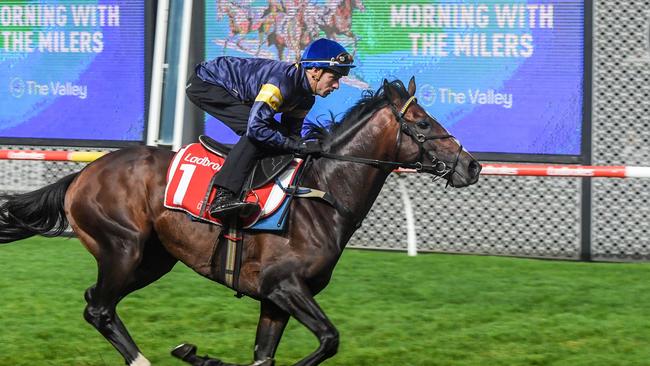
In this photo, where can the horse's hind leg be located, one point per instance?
(102, 298)
(124, 267)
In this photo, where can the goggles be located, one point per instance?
(342, 58)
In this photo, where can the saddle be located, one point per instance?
(265, 170)
(190, 185)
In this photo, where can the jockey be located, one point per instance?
(246, 94)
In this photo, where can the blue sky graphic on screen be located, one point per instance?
(72, 69)
(502, 76)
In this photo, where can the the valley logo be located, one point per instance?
(17, 87)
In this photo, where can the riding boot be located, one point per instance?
(226, 204)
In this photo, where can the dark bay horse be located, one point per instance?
(115, 207)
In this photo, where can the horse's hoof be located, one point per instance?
(184, 351)
(267, 362)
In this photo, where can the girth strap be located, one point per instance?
(231, 248)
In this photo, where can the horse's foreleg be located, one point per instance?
(272, 322)
(293, 296)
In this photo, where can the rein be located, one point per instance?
(438, 167)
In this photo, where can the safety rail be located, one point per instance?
(499, 169)
(74, 156)
(536, 170)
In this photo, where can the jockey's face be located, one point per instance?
(323, 82)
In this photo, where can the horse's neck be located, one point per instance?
(356, 185)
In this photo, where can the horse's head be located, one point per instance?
(420, 140)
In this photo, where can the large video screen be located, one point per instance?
(72, 69)
(502, 76)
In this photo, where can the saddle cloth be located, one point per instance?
(190, 174)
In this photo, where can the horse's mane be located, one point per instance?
(370, 102)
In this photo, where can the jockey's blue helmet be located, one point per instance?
(326, 54)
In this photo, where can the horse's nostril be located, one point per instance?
(474, 168)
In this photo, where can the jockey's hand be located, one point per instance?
(303, 147)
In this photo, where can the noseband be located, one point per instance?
(438, 168)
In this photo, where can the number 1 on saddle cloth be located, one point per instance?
(190, 185)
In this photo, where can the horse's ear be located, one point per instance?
(391, 94)
(411, 88)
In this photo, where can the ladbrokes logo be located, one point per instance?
(204, 161)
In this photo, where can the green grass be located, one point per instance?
(390, 310)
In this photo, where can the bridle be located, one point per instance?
(438, 168)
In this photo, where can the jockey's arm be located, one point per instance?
(262, 125)
(293, 120)
(293, 124)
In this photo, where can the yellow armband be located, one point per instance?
(270, 94)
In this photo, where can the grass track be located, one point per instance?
(390, 310)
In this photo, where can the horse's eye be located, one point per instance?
(422, 124)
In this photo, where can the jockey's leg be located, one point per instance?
(219, 103)
(230, 179)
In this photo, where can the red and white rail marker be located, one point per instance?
(76, 156)
(544, 170)
(536, 170)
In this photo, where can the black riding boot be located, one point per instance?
(226, 204)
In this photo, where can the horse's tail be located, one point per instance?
(38, 212)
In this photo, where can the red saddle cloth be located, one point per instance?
(189, 175)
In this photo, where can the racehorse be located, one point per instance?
(115, 207)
